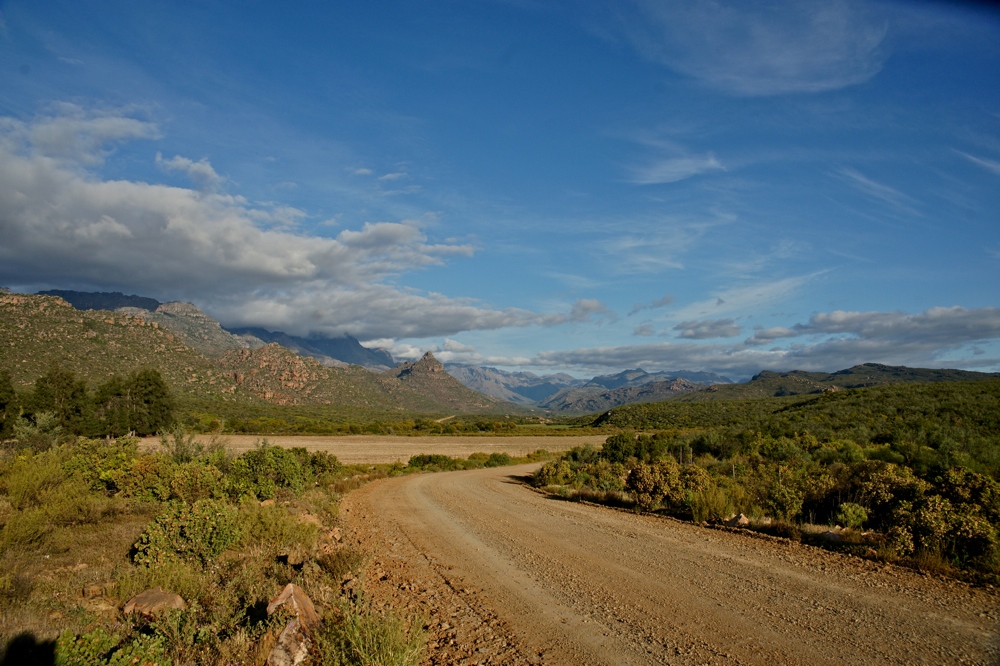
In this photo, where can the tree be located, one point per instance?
(140, 403)
(9, 406)
(60, 392)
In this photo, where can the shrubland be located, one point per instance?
(905, 473)
(86, 524)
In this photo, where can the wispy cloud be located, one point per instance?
(762, 49)
(675, 169)
(880, 191)
(661, 302)
(745, 299)
(707, 329)
(992, 166)
(846, 338)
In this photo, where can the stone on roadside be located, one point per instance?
(739, 520)
(301, 605)
(150, 602)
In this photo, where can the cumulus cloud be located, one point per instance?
(768, 335)
(704, 330)
(62, 225)
(762, 48)
(201, 172)
(644, 330)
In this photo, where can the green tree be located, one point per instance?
(140, 403)
(60, 392)
(9, 406)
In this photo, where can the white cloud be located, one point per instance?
(201, 172)
(393, 176)
(644, 330)
(362, 172)
(762, 48)
(63, 226)
(937, 337)
(992, 166)
(675, 169)
(745, 299)
(711, 328)
(880, 191)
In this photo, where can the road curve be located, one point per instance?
(508, 575)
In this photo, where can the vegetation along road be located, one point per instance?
(508, 575)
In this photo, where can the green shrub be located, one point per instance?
(554, 473)
(148, 478)
(653, 485)
(783, 502)
(193, 481)
(498, 460)
(99, 648)
(273, 527)
(852, 515)
(260, 472)
(710, 503)
(437, 461)
(199, 532)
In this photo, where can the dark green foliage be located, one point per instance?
(9, 406)
(198, 531)
(59, 391)
(645, 448)
(140, 403)
(498, 460)
(440, 462)
(263, 470)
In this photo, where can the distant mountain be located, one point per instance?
(523, 388)
(102, 300)
(640, 377)
(562, 392)
(328, 351)
(585, 400)
(798, 382)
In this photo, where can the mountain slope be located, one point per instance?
(194, 327)
(797, 382)
(429, 377)
(37, 331)
(328, 351)
(586, 400)
(525, 388)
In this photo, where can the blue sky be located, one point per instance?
(549, 186)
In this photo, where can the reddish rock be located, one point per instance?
(150, 602)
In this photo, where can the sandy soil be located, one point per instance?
(509, 576)
(355, 449)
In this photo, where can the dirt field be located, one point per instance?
(509, 576)
(386, 449)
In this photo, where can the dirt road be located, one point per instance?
(508, 576)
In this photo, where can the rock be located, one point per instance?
(150, 602)
(292, 647)
(296, 597)
(738, 520)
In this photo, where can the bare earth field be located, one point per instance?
(506, 575)
(355, 449)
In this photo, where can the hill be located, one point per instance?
(429, 378)
(797, 382)
(39, 331)
(523, 388)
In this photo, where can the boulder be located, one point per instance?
(292, 647)
(739, 520)
(151, 602)
(299, 602)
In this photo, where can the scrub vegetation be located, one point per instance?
(905, 473)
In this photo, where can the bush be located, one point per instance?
(198, 532)
(365, 638)
(851, 515)
(263, 470)
(652, 485)
(498, 460)
(438, 461)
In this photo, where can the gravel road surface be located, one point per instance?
(505, 575)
